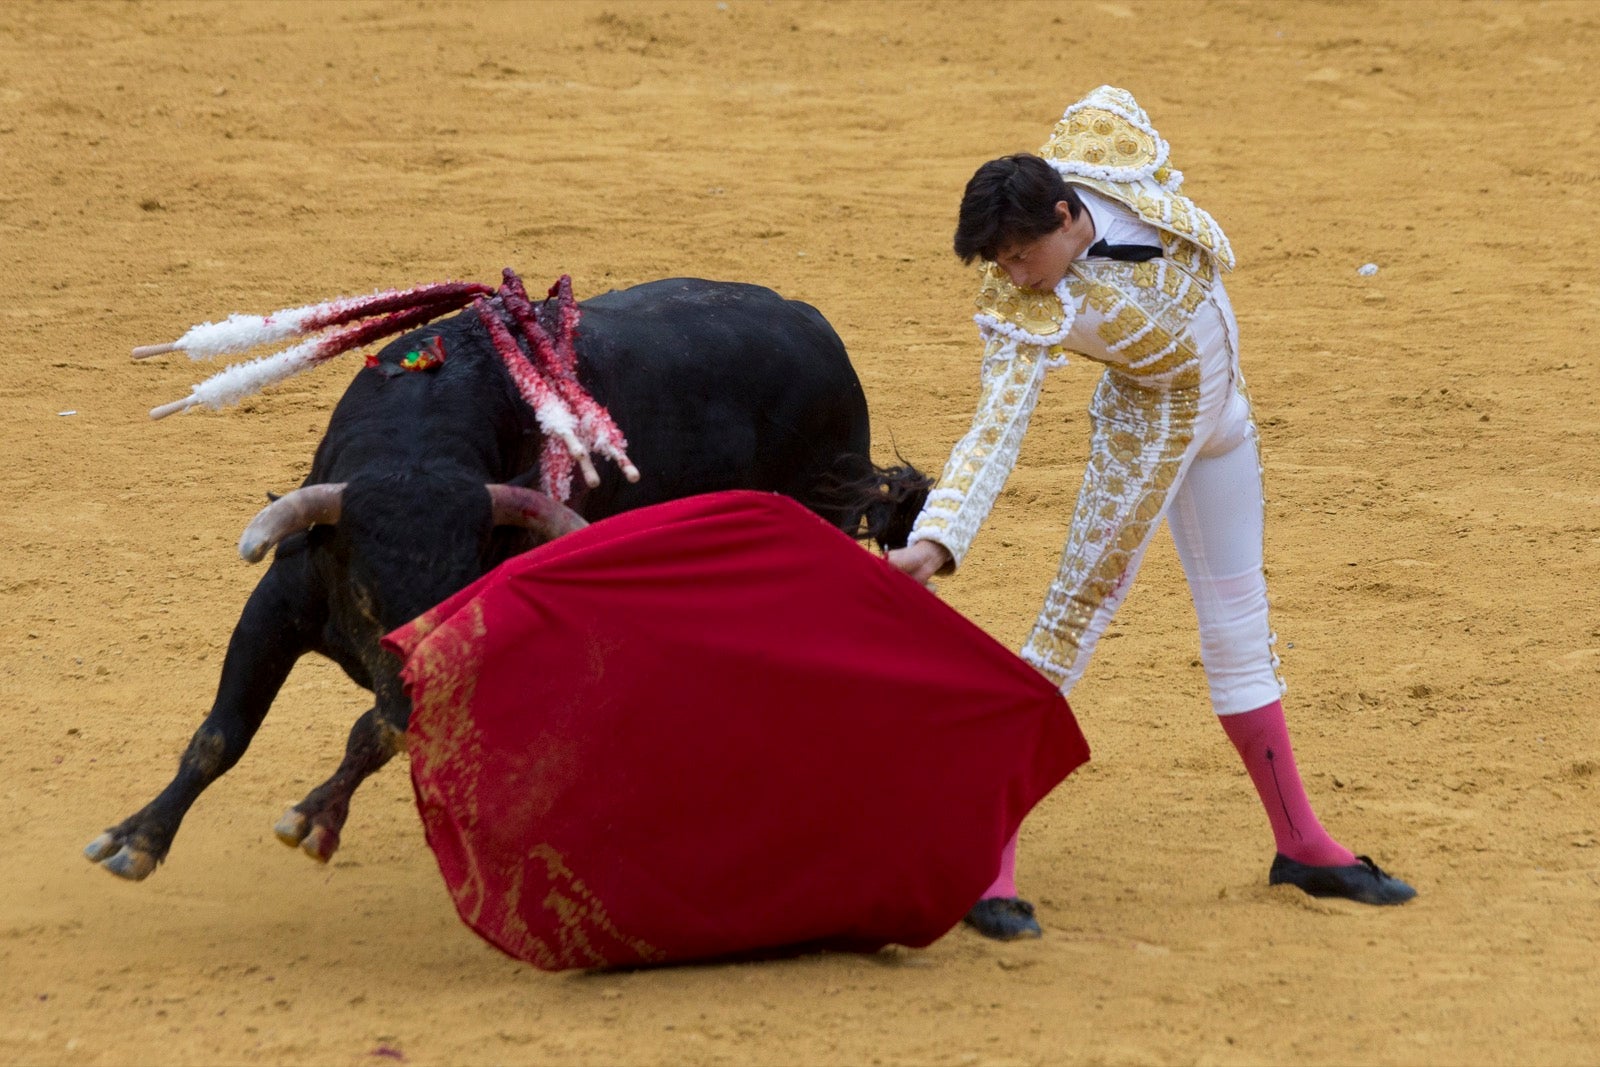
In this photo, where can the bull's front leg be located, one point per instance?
(272, 633)
(314, 823)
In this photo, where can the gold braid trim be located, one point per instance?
(1139, 439)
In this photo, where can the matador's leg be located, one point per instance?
(1139, 448)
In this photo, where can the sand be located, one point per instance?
(1429, 433)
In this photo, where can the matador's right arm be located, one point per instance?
(980, 462)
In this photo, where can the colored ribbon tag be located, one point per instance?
(428, 357)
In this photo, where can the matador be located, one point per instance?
(1090, 248)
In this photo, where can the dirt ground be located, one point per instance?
(1430, 436)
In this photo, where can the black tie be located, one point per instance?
(1132, 253)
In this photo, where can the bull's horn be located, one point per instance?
(540, 512)
(299, 510)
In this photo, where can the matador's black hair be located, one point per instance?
(1008, 200)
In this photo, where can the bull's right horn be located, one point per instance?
(529, 508)
(308, 506)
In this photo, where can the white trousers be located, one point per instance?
(1210, 496)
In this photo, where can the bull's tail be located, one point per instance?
(872, 503)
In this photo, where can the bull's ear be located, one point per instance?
(302, 509)
(515, 505)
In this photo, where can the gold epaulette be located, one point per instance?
(1106, 143)
(1035, 311)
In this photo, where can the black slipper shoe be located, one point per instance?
(1003, 919)
(1364, 882)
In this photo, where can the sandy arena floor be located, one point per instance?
(1430, 435)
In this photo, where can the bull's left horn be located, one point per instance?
(302, 509)
(540, 512)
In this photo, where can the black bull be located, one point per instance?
(716, 385)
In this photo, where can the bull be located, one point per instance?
(421, 484)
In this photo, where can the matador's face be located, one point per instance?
(1041, 262)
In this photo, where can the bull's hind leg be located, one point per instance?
(269, 637)
(315, 822)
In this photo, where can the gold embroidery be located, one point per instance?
(1102, 297)
(1186, 228)
(1097, 134)
(1127, 322)
(1192, 299)
(1182, 218)
(1011, 376)
(1155, 340)
(1101, 137)
(1123, 442)
(1139, 440)
(1033, 310)
(1172, 282)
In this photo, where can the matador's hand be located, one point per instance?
(921, 561)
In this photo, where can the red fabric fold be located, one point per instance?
(717, 726)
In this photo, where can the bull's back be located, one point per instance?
(719, 385)
(716, 385)
(462, 416)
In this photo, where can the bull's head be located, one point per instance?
(388, 549)
(315, 505)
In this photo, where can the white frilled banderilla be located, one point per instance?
(546, 375)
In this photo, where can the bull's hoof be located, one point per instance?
(297, 830)
(121, 860)
(320, 844)
(101, 847)
(292, 828)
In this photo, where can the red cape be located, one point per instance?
(717, 726)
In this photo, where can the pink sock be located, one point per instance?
(1005, 884)
(1262, 738)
